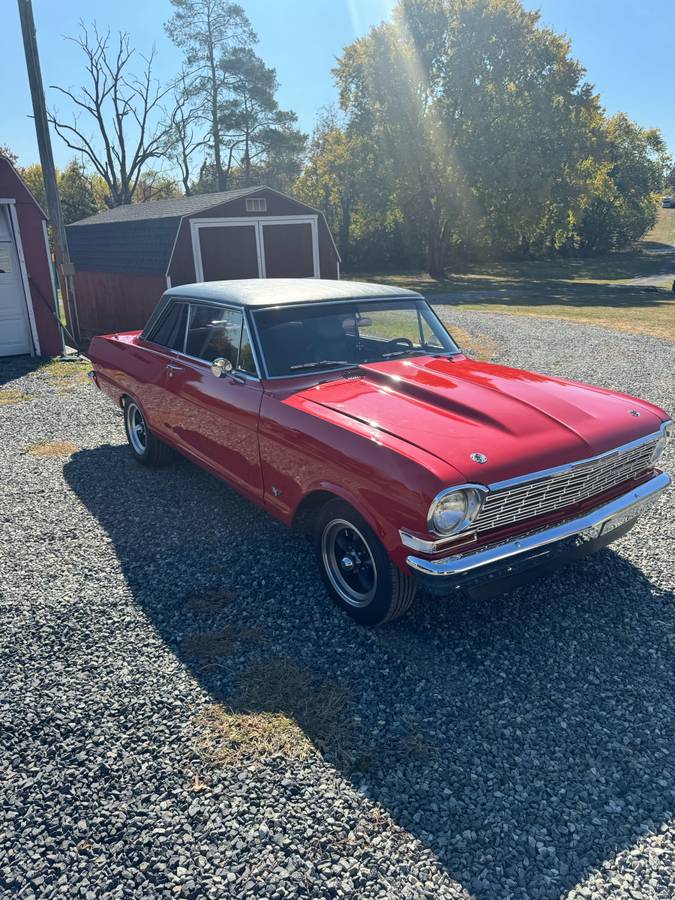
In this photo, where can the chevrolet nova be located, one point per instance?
(348, 410)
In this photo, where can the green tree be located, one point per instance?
(260, 135)
(481, 119)
(208, 31)
(76, 188)
(621, 203)
(77, 195)
(337, 179)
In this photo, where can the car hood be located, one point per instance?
(455, 407)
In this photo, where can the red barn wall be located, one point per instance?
(116, 302)
(38, 263)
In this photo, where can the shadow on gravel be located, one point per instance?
(539, 724)
(13, 367)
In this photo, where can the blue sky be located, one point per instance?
(626, 46)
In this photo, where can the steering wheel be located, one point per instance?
(397, 342)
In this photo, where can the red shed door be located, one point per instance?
(229, 251)
(289, 250)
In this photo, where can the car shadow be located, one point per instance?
(525, 739)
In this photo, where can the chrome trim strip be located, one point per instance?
(568, 467)
(423, 546)
(459, 565)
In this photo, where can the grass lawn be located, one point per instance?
(598, 290)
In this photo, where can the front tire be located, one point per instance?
(356, 568)
(145, 447)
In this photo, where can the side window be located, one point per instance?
(214, 331)
(246, 361)
(170, 330)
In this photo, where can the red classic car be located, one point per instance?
(348, 410)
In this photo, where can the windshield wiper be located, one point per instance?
(404, 353)
(320, 364)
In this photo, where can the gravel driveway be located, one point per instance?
(521, 747)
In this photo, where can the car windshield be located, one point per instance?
(314, 337)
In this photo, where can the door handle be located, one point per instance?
(171, 369)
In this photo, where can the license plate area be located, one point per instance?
(609, 525)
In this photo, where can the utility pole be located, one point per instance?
(64, 267)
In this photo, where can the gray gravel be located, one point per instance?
(541, 760)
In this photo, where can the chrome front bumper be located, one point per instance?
(588, 527)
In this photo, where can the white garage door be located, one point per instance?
(14, 326)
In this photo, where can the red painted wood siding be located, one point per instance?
(30, 219)
(111, 302)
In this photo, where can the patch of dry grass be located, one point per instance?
(60, 368)
(233, 737)
(10, 398)
(66, 374)
(280, 709)
(46, 449)
(474, 343)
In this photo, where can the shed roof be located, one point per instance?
(139, 238)
(165, 209)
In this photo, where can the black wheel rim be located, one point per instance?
(349, 562)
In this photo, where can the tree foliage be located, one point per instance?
(620, 205)
(207, 31)
(226, 102)
(78, 190)
(8, 154)
(470, 129)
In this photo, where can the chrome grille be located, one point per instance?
(574, 484)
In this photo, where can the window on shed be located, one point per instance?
(256, 204)
(170, 330)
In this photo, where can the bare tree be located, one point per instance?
(120, 107)
(184, 132)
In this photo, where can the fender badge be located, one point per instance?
(479, 457)
(634, 412)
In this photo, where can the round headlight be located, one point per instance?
(454, 510)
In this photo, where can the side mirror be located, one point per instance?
(221, 366)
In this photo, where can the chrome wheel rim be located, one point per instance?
(136, 430)
(349, 562)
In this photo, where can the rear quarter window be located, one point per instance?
(170, 330)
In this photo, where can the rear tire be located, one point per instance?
(145, 447)
(356, 568)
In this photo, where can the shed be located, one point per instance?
(126, 257)
(28, 312)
